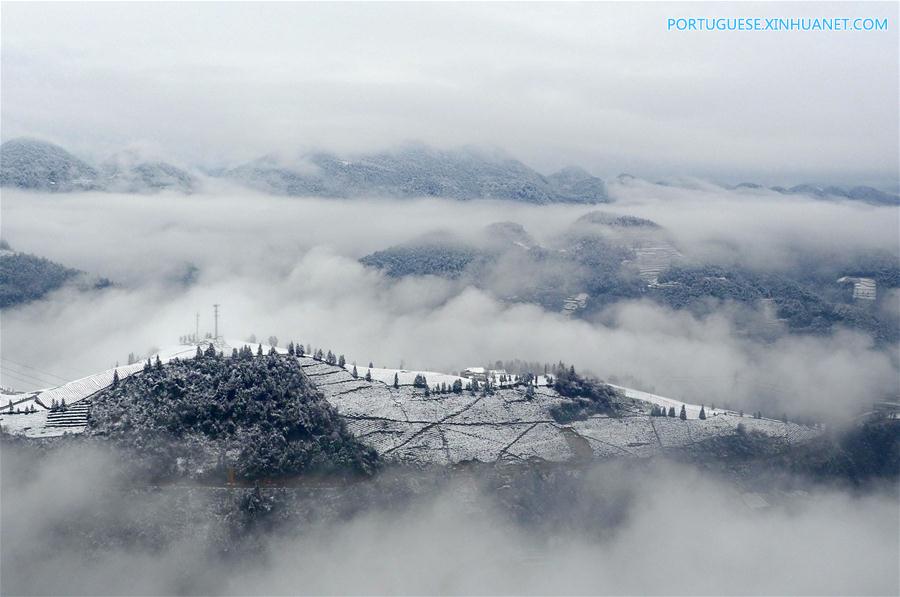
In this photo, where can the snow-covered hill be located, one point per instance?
(405, 425)
(38, 165)
(33, 164)
(419, 171)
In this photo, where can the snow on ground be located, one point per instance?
(407, 377)
(403, 424)
(18, 401)
(73, 392)
(23, 423)
(692, 410)
(82, 388)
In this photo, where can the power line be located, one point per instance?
(31, 376)
(29, 382)
(34, 369)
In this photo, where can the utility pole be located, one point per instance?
(197, 331)
(216, 316)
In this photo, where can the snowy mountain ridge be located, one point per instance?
(404, 423)
(38, 165)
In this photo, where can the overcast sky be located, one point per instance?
(600, 85)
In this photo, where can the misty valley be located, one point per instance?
(441, 298)
(548, 370)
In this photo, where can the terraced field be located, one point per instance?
(405, 425)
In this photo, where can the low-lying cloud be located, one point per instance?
(71, 526)
(289, 267)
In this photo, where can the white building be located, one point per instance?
(864, 289)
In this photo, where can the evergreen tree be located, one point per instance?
(683, 414)
(529, 392)
(702, 413)
(457, 386)
(354, 372)
(371, 366)
(210, 350)
(291, 349)
(234, 353)
(158, 363)
(672, 411)
(62, 405)
(329, 358)
(272, 351)
(259, 351)
(342, 362)
(396, 380)
(199, 352)
(147, 366)
(115, 380)
(368, 375)
(299, 349)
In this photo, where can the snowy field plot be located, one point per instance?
(28, 424)
(35, 425)
(22, 402)
(368, 402)
(714, 426)
(508, 406)
(672, 431)
(485, 443)
(545, 441)
(436, 408)
(632, 436)
(314, 368)
(382, 435)
(407, 377)
(427, 446)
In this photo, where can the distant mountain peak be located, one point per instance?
(35, 164)
(417, 170)
(39, 165)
